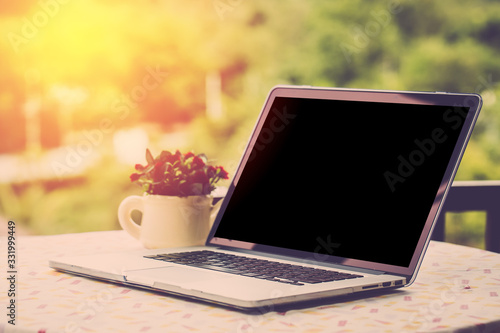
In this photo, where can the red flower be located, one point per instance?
(198, 163)
(167, 157)
(140, 167)
(211, 171)
(176, 157)
(222, 173)
(200, 177)
(134, 177)
(188, 155)
(158, 171)
(178, 174)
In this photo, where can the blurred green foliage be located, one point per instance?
(382, 44)
(466, 228)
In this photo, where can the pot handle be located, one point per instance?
(125, 209)
(214, 210)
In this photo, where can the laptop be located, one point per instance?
(336, 193)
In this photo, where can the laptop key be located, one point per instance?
(216, 268)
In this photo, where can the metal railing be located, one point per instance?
(466, 196)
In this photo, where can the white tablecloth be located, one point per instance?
(457, 288)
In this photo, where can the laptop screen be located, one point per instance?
(348, 179)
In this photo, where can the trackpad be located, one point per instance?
(173, 275)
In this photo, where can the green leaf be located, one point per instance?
(204, 158)
(147, 188)
(149, 157)
(164, 154)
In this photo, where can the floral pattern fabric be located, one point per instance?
(457, 289)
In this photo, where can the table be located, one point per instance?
(457, 289)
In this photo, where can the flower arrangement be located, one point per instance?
(177, 174)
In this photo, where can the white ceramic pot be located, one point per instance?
(169, 221)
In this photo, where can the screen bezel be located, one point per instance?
(473, 101)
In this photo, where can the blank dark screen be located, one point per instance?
(349, 179)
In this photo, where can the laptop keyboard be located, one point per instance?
(256, 268)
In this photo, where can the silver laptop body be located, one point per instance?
(343, 180)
